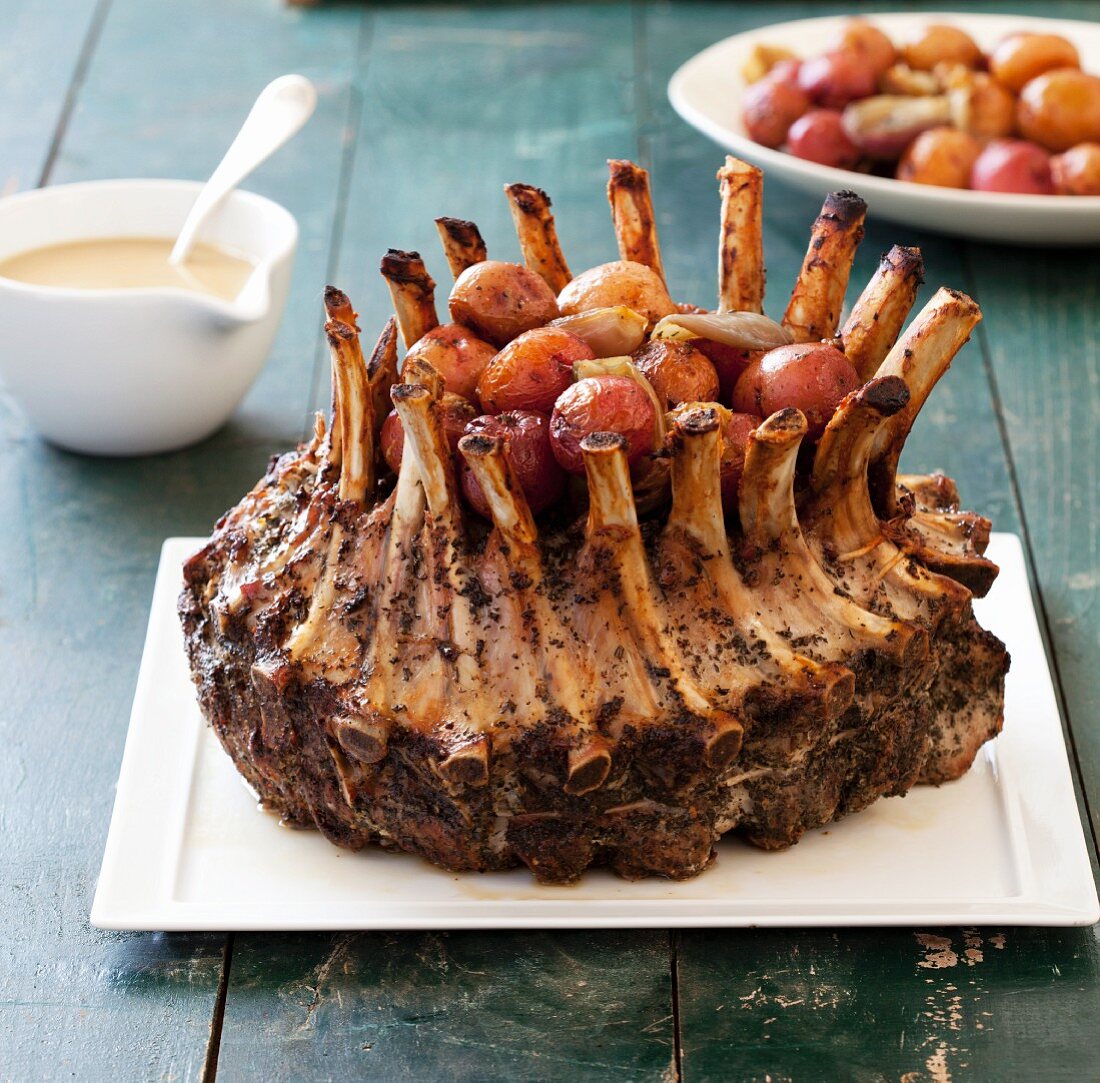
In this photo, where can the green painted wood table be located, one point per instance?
(426, 110)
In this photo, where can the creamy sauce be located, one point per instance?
(122, 263)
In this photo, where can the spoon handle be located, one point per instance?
(283, 106)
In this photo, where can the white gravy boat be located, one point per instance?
(136, 371)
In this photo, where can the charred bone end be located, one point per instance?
(588, 767)
(722, 744)
(462, 242)
(741, 273)
(697, 422)
(783, 427)
(337, 332)
(413, 293)
(406, 268)
(338, 307)
(527, 197)
(886, 396)
(843, 452)
(363, 737)
(538, 236)
(353, 408)
(467, 765)
(628, 193)
(907, 262)
(418, 372)
(695, 441)
(845, 208)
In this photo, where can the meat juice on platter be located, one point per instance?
(718, 622)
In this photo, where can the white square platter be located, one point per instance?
(189, 850)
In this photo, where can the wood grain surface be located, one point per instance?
(429, 110)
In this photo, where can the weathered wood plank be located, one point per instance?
(922, 1006)
(1041, 338)
(455, 1006)
(460, 102)
(42, 50)
(866, 1005)
(163, 94)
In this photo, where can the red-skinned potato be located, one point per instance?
(678, 372)
(812, 376)
(1060, 109)
(499, 301)
(1019, 58)
(457, 354)
(942, 156)
(866, 41)
(819, 136)
(938, 43)
(1012, 165)
(621, 282)
(532, 371)
(735, 438)
(728, 361)
(392, 440)
(601, 404)
(785, 71)
(769, 108)
(456, 414)
(1077, 172)
(526, 437)
(835, 79)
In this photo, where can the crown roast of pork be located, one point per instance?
(721, 620)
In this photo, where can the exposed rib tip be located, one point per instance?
(697, 422)
(782, 427)
(409, 392)
(603, 441)
(478, 446)
(887, 395)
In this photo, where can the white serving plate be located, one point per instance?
(706, 92)
(189, 850)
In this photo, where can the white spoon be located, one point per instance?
(283, 106)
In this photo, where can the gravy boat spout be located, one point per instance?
(251, 305)
(137, 371)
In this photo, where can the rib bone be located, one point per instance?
(880, 312)
(462, 243)
(382, 372)
(538, 237)
(413, 293)
(716, 600)
(354, 412)
(813, 312)
(632, 213)
(771, 527)
(741, 273)
(614, 540)
(920, 357)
